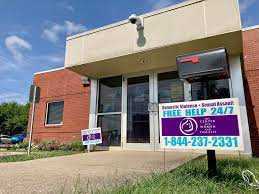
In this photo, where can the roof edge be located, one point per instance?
(50, 70)
(250, 28)
(152, 13)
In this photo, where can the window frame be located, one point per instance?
(108, 114)
(47, 111)
(184, 84)
(98, 97)
(230, 88)
(97, 101)
(97, 113)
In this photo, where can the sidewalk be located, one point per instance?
(85, 171)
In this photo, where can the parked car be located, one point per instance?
(5, 139)
(17, 138)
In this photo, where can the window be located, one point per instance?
(55, 113)
(211, 89)
(111, 129)
(110, 94)
(109, 110)
(137, 110)
(170, 88)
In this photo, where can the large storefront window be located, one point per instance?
(211, 89)
(111, 129)
(137, 110)
(109, 110)
(110, 95)
(170, 88)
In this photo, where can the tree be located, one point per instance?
(13, 118)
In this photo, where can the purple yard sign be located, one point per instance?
(208, 124)
(88, 137)
(91, 136)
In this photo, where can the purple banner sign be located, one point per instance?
(226, 125)
(91, 137)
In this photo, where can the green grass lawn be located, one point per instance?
(192, 178)
(35, 155)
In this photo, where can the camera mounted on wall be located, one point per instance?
(134, 19)
(85, 81)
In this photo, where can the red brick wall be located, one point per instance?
(251, 71)
(61, 85)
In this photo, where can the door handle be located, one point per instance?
(153, 107)
(150, 107)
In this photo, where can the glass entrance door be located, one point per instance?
(143, 94)
(109, 110)
(138, 122)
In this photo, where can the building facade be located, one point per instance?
(251, 82)
(133, 70)
(62, 111)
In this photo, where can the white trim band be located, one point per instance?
(250, 28)
(51, 70)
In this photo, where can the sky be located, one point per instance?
(33, 33)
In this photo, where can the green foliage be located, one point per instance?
(20, 146)
(55, 145)
(50, 145)
(192, 178)
(77, 146)
(13, 118)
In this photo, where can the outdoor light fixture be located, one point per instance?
(85, 81)
(134, 19)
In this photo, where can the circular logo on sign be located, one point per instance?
(188, 126)
(93, 137)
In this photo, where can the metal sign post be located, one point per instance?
(91, 137)
(34, 98)
(204, 66)
(202, 125)
(32, 117)
(212, 163)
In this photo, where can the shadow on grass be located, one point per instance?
(229, 171)
(191, 177)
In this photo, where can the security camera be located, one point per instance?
(134, 19)
(85, 81)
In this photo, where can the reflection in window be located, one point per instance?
(211, 89)
(137, 110)
(111, 129)
(110, 94)
(170, 88)
(55, 113)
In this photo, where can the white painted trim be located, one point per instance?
(51, 70)
(167, 9)
(95, 97)
(124, 113)
(93, 104)
(238, 92)
(139, 146)
(250, 28)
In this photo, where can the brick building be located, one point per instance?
(64, 87)
(251, 82)
(131, 70)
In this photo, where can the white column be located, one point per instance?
(93, 103)
(238, 92)
(124, 114)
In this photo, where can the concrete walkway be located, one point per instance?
(85, 171)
